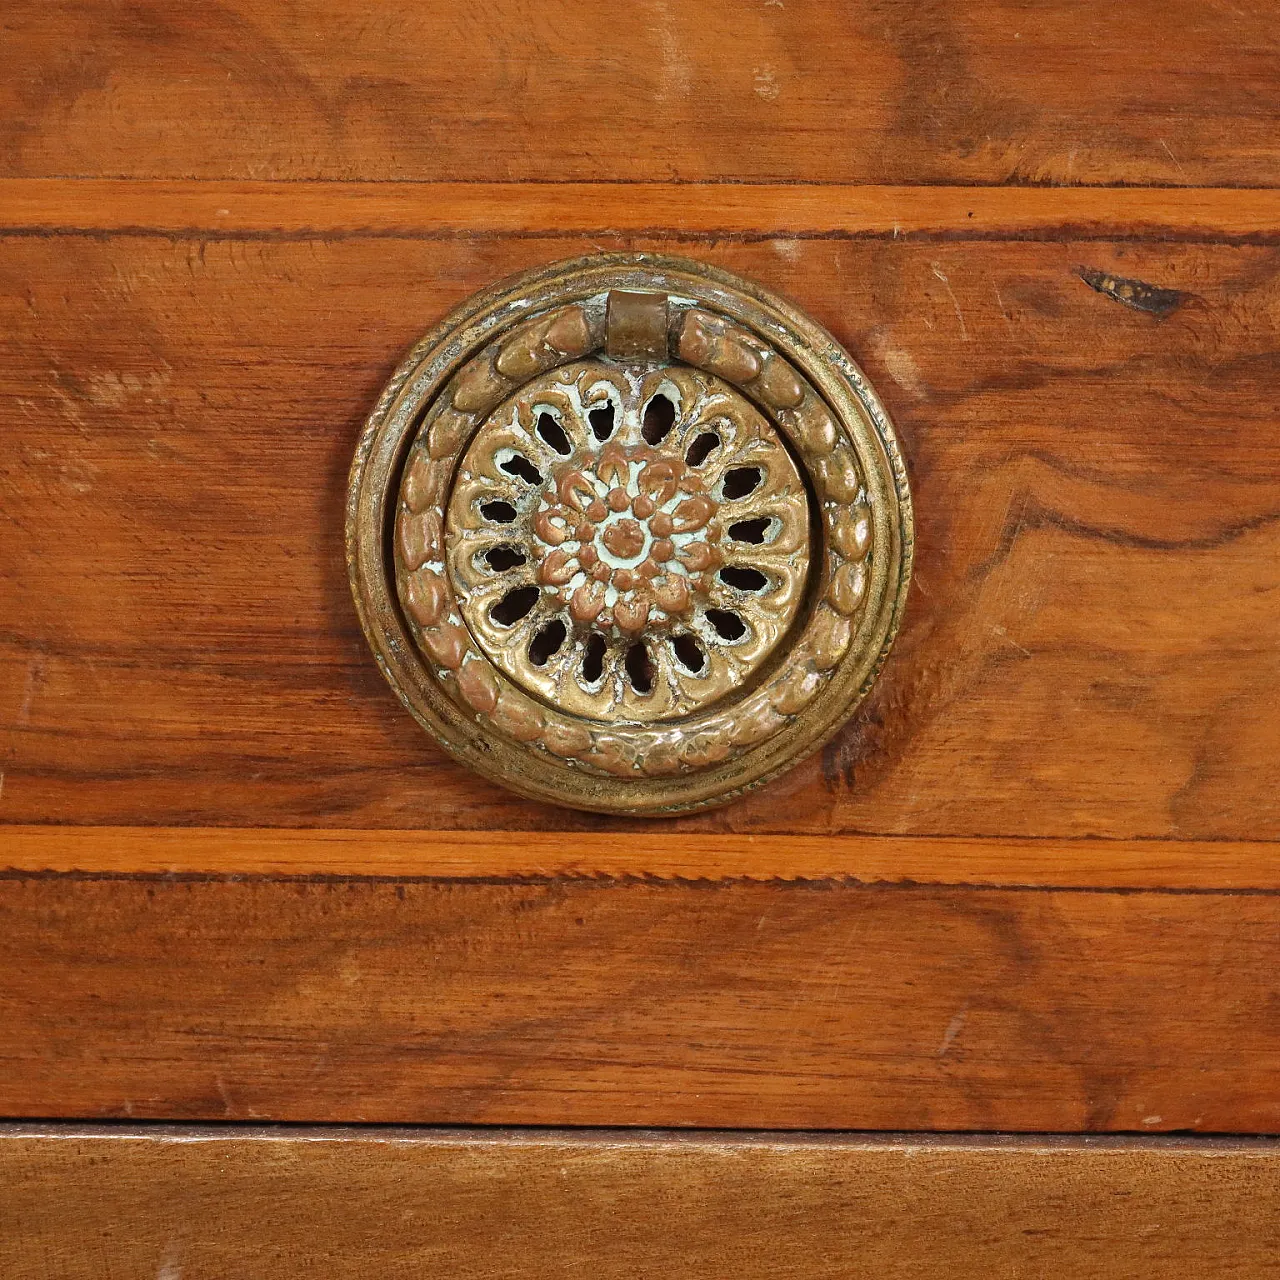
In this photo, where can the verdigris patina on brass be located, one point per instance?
(629, 534)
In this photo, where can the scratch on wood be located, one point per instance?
(953, 1029)
(955, 302)
(35, 669)
(1005, 636)
(1176, 161)
(1134, 293)
(224, 1093)
(171, 1263)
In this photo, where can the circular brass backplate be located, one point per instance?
(629, 533)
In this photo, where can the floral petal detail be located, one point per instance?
(672, 594)
(587, 602)
(698, 557)
(693, 513)
(613, 467)
(574, 490)
(659, 480)
(559, 566)
(631, 615)
(547, 529)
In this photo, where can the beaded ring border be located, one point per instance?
(665, 310)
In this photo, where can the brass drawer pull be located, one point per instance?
(630, 534)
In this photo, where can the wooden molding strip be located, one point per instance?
(82, 1202)
(655, 853)
(778, 211)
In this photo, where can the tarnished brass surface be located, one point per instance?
(629, 534)
(652, 561)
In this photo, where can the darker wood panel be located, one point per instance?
(564, 1002)
(1098, 537)
(343, 1203)
(1149, 92)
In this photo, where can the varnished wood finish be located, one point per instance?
(577, 1002)
(1155, 92)
(1090, 628)
(648, 854)
(1050, 234)
(776, 211)
(350, 1203)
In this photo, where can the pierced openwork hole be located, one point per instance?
(601, 420)
(689, 653)
(553, 434)
(593, 658)
(752, 531)
(499, 511)
(514, 606)
(519, 465)
(727, 624)
(741, 481)
(502, 558)
(700, 450)
(659, 418)
(639, 668)
(742, 578)
(547, 642)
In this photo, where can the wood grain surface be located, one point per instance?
(572, 1002)
(776, 211)
(134, 1204)
(1030, 887)
(1162, 92)
(1090, 637)
(651, 853)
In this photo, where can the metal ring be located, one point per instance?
(630, 534)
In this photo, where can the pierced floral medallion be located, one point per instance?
(630, 534)
(627, 542)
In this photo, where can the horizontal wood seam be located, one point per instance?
(438, 210)
(605, 880)
(653, 1138)
(687, 859)
(1075, 234)
(820, 184)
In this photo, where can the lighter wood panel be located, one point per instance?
(204, 1204)
(215, 208)
(536, 855)
(1088, 640)
(782, 1005)
(1165, 92)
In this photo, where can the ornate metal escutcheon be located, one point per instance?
(630, 534)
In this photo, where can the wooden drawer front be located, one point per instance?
(1091, 615)
(1030, 886)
